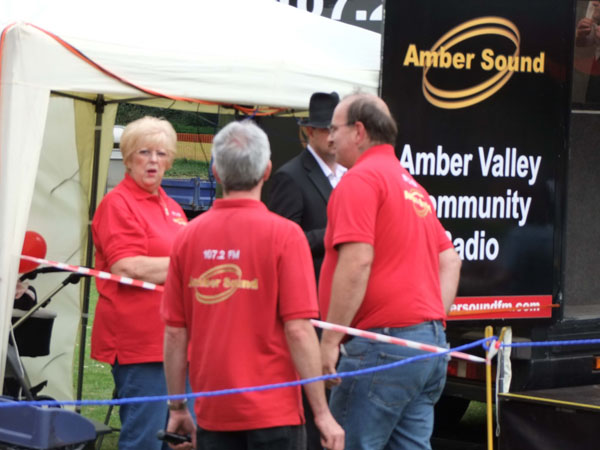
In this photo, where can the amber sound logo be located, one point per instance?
(500, 66)
(420, 205)
(219, 283)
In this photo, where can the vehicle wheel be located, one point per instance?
(449, 411)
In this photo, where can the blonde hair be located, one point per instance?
(148, 130)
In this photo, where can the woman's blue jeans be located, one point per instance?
(393, 408)
(141, 421)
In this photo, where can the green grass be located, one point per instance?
(476, 413)
(97, 382)
(473, 425)
(187, 168)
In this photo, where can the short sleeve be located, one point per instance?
(117, 232)
(297, 285)
(354, 211)
(444, 242)
(172, 305)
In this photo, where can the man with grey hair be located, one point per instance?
(239, 295)
(389, 268)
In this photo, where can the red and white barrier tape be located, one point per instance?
(96, 273)
(393, 340)
(317, 323)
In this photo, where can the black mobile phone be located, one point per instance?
(173, 438)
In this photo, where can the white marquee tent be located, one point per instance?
(66, 64)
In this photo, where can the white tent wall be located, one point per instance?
(247, 52)
(59, 212)
(56, 210)
(18, 169)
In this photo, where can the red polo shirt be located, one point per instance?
(131, 222)
(238, 272)
(379, 203)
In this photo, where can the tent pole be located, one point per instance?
(100, 103)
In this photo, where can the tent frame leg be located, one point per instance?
(100, 103)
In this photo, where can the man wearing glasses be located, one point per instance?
(389, 268)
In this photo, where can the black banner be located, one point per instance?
(480, 91)
(366, 14)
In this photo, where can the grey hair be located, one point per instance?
(241, 153)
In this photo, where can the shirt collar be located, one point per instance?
(222, 203)
(138, 192)
(332, 176)
(376, 149)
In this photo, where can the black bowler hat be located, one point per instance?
(320, 110)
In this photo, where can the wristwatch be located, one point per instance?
(178, 406)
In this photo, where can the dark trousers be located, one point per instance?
(276, 438)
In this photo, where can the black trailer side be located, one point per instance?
(494, 108)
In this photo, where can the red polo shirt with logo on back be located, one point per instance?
(379, 203)
(131, 222)
(238, 272)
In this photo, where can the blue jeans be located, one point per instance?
(390, 409)
(141, 421)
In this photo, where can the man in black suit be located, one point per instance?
(300, 189)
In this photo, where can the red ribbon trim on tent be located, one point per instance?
(80, 54)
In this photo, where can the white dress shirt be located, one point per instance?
(334, 176)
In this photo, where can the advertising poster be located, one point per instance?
(481, 91)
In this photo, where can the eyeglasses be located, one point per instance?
(160, 154)
(333, 128)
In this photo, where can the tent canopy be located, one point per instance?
(54, 149)
(253, 52)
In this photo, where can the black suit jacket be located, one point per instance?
(299, 191)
